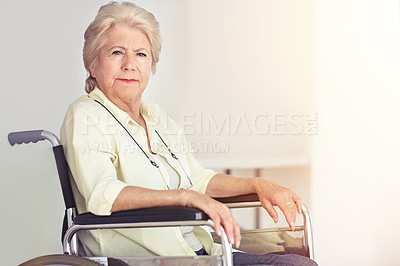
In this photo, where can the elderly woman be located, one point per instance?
(127, 154)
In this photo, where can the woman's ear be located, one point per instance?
(92, 70)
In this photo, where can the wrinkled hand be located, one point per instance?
(272, 194)
(218, 212)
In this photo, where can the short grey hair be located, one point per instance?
(110, 15)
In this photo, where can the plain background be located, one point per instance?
(252, 60)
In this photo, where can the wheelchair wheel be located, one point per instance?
(67, 260)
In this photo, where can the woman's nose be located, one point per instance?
(129, 63)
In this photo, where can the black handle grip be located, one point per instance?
(25, 137)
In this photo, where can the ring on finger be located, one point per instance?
(289, 202)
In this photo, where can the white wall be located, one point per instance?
(355, 166)
(243, 58)
(249, 61)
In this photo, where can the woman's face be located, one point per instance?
(124, 64)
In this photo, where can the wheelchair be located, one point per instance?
(158, 217)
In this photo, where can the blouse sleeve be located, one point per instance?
(200, 175)
(91, 160)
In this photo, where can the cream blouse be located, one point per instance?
(103, 159)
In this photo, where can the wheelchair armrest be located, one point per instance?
(253, 197)
(142, 218)
(169, 214)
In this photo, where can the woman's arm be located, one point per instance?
(132, 197)
(269, 193)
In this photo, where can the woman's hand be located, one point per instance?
(218, 212)
(272, 194)
(269, 193)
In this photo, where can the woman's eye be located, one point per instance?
(142, 54)
(117, 52)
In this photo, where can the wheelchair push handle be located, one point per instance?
(25, 137)
(32, 136)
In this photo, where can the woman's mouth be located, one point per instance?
(128, 80)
